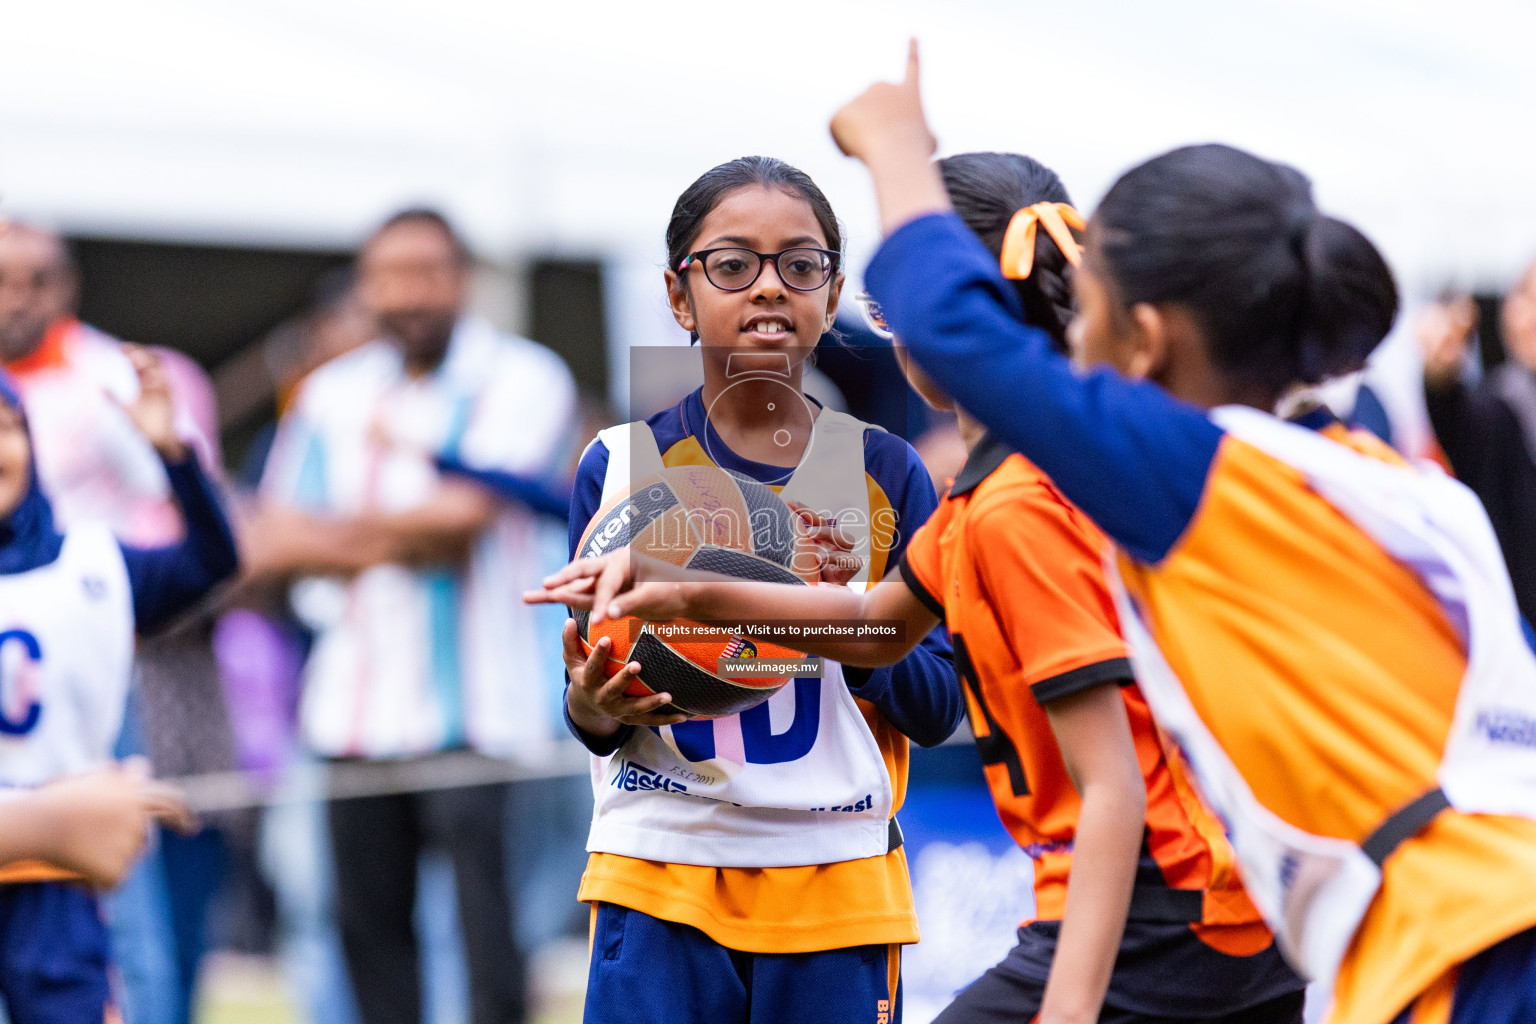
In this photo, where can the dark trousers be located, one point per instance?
(376, 842)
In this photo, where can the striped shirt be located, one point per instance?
(409, 661)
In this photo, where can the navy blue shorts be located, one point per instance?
(54, 954)
(1498, 986)
(648, 971)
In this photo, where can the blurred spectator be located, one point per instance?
(1487, 426)
(267, 374)
(411, 580)
(259, 645)
(261, 650)
(337, 324)
(73, 380)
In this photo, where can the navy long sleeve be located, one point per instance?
(586, 499)
(920, 694)
(167, 581)
(1127, 453)
(541, 496)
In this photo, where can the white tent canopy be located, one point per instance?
(571, 128)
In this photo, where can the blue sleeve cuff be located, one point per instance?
(867, 683)
(602, 746)
(186, 476)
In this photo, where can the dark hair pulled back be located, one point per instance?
(1284, 294)
(986, 190)
(699, 200)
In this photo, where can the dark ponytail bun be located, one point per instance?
(1350, 301)
(986, 190)
(1284, 295)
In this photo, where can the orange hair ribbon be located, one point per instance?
(1018, 258)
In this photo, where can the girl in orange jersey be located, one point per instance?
(1330, 634)
(1139, 916)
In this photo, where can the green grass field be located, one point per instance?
(251, 990)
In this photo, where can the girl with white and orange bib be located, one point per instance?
(1330, 634)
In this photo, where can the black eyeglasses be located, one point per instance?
(731, 270)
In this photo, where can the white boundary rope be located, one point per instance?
(345, 780)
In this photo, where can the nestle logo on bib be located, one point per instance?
(1504, 726)
(632, 777)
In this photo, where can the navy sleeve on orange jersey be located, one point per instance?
(1127, 453)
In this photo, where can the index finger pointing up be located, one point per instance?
(912, 63)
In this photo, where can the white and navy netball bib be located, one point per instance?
(66, 657)
(798, 779)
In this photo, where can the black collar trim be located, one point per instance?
(984, 459)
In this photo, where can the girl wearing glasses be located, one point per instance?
(773, 898)
(1139, 916)
(1329, 632)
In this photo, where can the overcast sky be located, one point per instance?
(572, 127)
